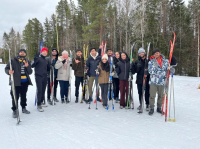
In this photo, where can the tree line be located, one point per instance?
(120, 23)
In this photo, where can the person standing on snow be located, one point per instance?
(52, 62)
(21, 69)
(63, 66)
(42, 66)
(78, 67)
(157, 68)
(139, 67)
(91, 66)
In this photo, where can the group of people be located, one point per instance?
(156, 66)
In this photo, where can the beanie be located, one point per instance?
(22, 50)
(44, 49)
(141, 50)
(105, 56)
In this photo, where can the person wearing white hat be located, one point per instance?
(63, 66)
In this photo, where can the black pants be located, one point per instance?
(22, 90)
(116, 87)
(139, 86)
(104, 92)
(49, 88)
(78, 80)
(41, 83)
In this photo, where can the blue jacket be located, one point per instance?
(91, 64)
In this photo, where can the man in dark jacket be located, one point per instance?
(52, 62)
(42, 67)
(139, 68)
(78, 67)
(91, 66)
(21, 69)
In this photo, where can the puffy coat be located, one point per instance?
(103, 75)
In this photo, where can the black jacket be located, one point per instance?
(17, 71)
(140, 70)
(92, 64)
(41, 65)
(123, 69)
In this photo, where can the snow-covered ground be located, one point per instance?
(74, 126)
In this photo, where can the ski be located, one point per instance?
(97, 85)
(85, 78)
(70, 78)
(52, 84)
(167, 80)
(145, 79)
(13, 91)
(110, 92)
(130, 80)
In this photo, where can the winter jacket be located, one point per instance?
(115, 61)
(17, 71)
(78, 68)
(158, 74)
(63, 74)
(41, 65)
(103, 75)
(123, 69)
(92, 64)
(52, 63)
(140, 70)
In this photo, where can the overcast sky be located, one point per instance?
(15, 13)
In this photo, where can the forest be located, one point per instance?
(120, 23)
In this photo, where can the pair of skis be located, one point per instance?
(110, 86)
(165, 98)
(85, 77)
(130, 102)
(145, 79)
(70, 78)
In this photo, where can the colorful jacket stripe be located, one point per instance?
(158, 74)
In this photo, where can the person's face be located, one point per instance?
(157, 55)
(44, 53)
(65, 56)
(93, 52)
(142, 54)
(123, 56)
(117, 55)
(54, 52)
(79, 53)
(22, 53)
(104, 60)
(110, 52)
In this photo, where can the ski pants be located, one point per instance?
(153, 90)
(123, 91)
(104, 92)
(49, 88)
(22, 90)
(78, 81)
(41, 83)
(64, 85)
(91, 80)
(116, 87)
(139, 87)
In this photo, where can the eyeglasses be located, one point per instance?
(54, 51)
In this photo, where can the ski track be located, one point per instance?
(74, 126)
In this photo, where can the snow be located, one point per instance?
(74, 126)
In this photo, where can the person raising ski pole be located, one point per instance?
(42, 66)
(157, 68)
(21, 69)
(139, 68)
(78, 67)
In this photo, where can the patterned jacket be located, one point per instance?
(157, 74)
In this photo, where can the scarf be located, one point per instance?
(105, 66)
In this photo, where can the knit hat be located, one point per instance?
(64, 52)
(141, 50)
(155, 50)
(22, 50)
(44, 49)
(105, 56)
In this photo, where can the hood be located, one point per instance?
(97, 54)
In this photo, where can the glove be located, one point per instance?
(172, 70)
(36, 56)
(112, 74)
(64, 61)
(173, 61)
(70, 65)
